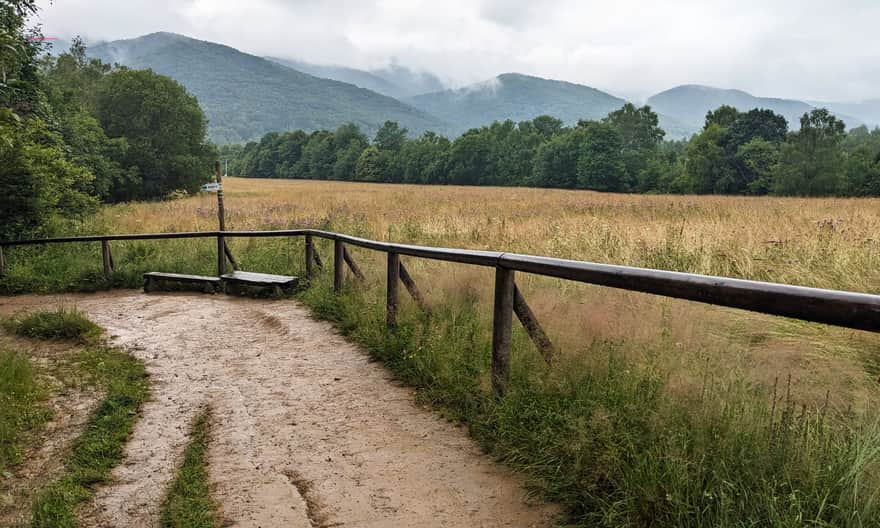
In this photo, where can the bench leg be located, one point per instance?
(148, 285)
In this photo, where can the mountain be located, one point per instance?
(245, 96)
(394, 81)
(866, 111)
(689, 104)
(517, 97)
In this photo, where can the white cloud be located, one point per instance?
(792, 48)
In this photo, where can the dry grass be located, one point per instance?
(830, 243)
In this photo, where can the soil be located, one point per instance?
(308, 432)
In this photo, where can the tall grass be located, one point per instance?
(657, 412)
(609, 440)
(22, 408)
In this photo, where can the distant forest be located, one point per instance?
(736, 153)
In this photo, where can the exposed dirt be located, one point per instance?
(70, 403)
(308, 433)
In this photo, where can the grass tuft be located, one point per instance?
(189, 503)
(22, 408)
(101, 445)
(61, 324)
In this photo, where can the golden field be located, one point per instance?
(829, 243)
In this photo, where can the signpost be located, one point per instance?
(221, 216)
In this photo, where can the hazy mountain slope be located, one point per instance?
(245, 96)
(866, 111)
(393, 81)
(690, 103)
(516, 97)
(409, 82)
(360, 78)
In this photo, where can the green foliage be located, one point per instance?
(188, 503)
(164, 128)
(607, 439)
(37, 181)
(22, 406)
(600, 166)
(369, 165)
(735, 153)
(63, 324)
(811, 161)
(101, 445)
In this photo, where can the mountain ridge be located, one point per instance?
(245, 96)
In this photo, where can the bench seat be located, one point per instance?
(278, 283)
(153, 278)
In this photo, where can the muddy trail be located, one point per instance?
(308, 432)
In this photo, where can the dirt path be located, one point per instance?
(308, 431)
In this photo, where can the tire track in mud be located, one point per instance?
(309, 432)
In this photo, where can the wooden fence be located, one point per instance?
(840, 308)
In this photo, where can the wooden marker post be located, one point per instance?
(221, 216)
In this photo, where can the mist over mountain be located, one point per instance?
(245, 96)
(689, 104)
(866, 111)
(394, 80)
(517, 97)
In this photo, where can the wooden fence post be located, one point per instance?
(338, 265)
(413, 290)
(2, 262)
(310, 255)
(502, 320)
(527, 317)
(221, 256)
(392, 290)
(107, 258)
(352, 265)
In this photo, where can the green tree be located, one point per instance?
(390, 136)
(640, 136)
(724, 116)
(599, 165)
(164, 128)
(757, 161)
(37, 181)
(811, 162)
(706, 170)
(556, 162)
(368, 167)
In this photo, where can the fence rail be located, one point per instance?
(840, 308)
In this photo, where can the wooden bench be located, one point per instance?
(153, 279)
(278, 283)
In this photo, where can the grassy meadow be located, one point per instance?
(657, 412)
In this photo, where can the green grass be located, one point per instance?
(609, 441)
(189, 503)
(605, 436)
(62, 324)
(22, 408)
(100, 447)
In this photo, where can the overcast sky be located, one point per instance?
(810, 49)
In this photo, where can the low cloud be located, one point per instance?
(809, 49)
